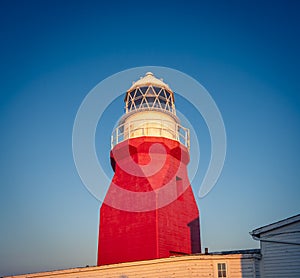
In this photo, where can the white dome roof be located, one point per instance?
(149, 79)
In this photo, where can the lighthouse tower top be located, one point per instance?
(150, 93)
(150, 79)
(150, 111)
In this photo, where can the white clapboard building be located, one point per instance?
(238, 264)
(280, 248)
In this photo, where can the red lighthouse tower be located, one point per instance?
(149, 210)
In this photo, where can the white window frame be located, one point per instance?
(216, 275)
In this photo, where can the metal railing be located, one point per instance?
(153, 127)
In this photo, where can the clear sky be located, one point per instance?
(245, 53)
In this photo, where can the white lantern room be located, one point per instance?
(150, 111)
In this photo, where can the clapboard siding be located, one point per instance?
(202, 266)
(257, 268)
(281, 259)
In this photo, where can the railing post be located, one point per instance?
(188, 138)
(186, 142)
(117, 135)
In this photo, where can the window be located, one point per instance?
(179, 188)
(150, 101)
(143, 89)
(157, 90)
(138, 94)
(222, 270)
(163, 104)
(150, 92)
(138, 102)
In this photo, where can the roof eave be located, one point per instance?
(257, 232)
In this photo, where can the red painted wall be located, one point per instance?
(164, 221)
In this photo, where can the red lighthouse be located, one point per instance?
(149, 210)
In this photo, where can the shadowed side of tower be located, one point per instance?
(149, 210)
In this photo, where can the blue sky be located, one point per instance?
(245, 53)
